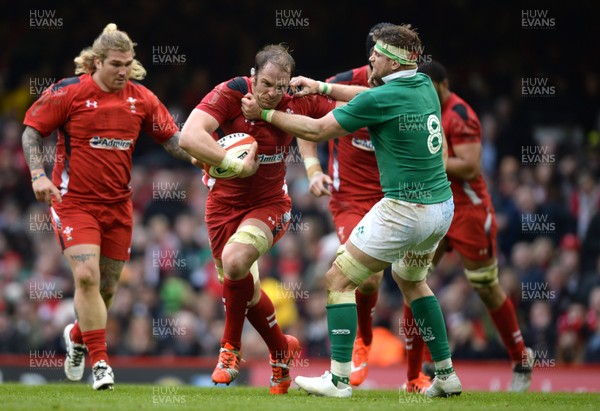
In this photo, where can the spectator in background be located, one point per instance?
(590, 248)
(504, 204)
(572, 332)
(592, 351)
(541, 332)
(585, 201)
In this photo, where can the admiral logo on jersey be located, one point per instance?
(362, 144)
(110, 143)
(270, 158)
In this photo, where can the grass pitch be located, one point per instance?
(71, 397)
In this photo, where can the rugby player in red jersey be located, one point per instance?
(473, 230)
(353, 183)
(98, 116)
(246, 217)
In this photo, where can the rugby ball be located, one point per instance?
(238, 144)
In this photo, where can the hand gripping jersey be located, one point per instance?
(224, 104)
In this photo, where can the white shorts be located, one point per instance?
(393, 228)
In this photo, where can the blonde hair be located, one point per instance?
(110, 39)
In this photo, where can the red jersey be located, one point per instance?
(461, 126)
(97, 132)
(352, 164)
(224, 104)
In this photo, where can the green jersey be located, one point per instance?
(403, 117)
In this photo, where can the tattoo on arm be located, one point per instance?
(82, 258)
(172, 147)
(33, 148)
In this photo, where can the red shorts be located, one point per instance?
(347, 214)
(473, 232)
(107, 225)
(222, 221)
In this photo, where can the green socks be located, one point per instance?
(342, 322)
(429, 318)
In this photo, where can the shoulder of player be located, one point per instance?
(351, 77)
(142, 94)
(65, 83)
(459, 108)
(238, 84)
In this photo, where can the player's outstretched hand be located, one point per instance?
(44, 189)
(303, 86)
(319, 184)
(250, 162)
(250, 107)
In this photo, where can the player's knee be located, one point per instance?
(484, 278)
(345, 265)
(253, 236)
(410, 273)
(86, 278)
(236, 262)
(337, 281)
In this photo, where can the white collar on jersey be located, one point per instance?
(399, 74)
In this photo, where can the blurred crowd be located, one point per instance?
(169, 301)
(541, 160)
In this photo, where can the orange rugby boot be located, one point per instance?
(360, 359)
(418, 385)
(228, 367)
(281, 380)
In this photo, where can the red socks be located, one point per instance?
(505, 320)
(364, 308)
(76, 334)
(237, 295)
(95, 342)
(262, 318)
(414, 344)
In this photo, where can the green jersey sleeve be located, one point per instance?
(358, 113)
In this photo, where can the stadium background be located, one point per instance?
(527, 70)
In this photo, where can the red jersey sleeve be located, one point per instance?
(51, 110)
(223, 102)
(158, 121)
(464, 126)
(314, 105)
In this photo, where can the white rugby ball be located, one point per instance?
(238, 144)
